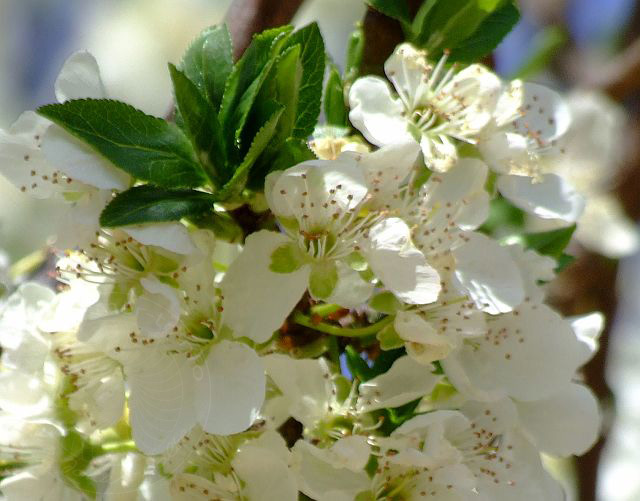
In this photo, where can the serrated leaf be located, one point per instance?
(203, 127)
(260, 141)
(488, 35)
(208, 62)
(335, 109)
(146, 147)
(397, 9)
(144, 204)
(312, 58)
(549, 243)
(246, 79)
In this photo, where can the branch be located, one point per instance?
(621, 77)
(247, 17)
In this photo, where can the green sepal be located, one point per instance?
(385, 302)
(335, 110)
(323, 278)
(287, 258)
(389, 338)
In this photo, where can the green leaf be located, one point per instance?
(292, 152)
(549, 243)
(208, 62)
(203, 127)
(356, 365)
(488, 35)
(143, 204)
(146, 147)
(260, 141)
(286, 259)
(323, 279)
(397, 9)
(355, 50)
(445, 24)
(335, 109)
(287, 82)
(312, 58)
(246, 79)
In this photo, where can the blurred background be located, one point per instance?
(587, 48)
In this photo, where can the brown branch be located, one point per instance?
(247, 17)
(621, 77)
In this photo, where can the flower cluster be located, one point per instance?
(368, 339)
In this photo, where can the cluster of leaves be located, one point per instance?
(234, 123)
(469, 29)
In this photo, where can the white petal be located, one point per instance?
(161, 402)
(376, 113)
(314, 191)
(565, 423)
(24, 395)
(157, 309)
(230, 388)
(171, 236)
(405, 381)
(266, 476)
(387, 169)
(21, 160)
(322, 481)
(188, 487)
(304, 386)
(351, 290)
(412, 328)
(487, 272)
(399, 264)
(257, 300)
(526, 354)
(79, 78)
(546, 115)
(550, 198)
(78, 161)
(588, 329)
(47, 486)
(440, 154)
(605, 228)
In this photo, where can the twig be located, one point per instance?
(247, 17)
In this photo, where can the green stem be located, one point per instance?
(334, 330)
(325, 309)
(116, 447)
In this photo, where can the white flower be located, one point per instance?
(318, 204)
(257, 470)
(405, 381)
(35, 448)
(525, 354)
(43, 160)
(593, 150)
(528, 123)
(434, 106)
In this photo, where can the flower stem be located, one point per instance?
(334, 330)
